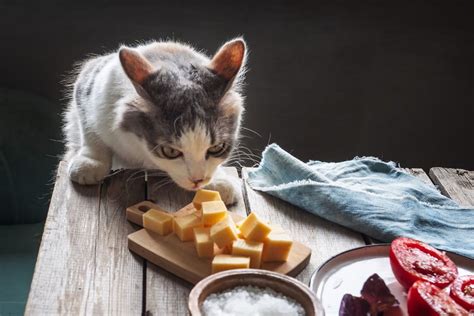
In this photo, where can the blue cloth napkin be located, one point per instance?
(367, 195)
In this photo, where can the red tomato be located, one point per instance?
(425, 299)
(412, 260)
(462, 291)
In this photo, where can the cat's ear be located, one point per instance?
(137, 68)
(229, 59)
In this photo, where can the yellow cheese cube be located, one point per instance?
(253, 228)
(203, 242)
(188, 209)
(240, 222)
(251, 249)
(276, 247)
(228, 262)
(205, 196)
(212, 212)
(224, 232)
(183, 226)
(158, 221)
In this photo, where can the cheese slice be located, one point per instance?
(205, 196)
(158, 221)
(253, 228)
(228, 262)
(212, 212)
(203, 242)
(183, 226)
(251, 249)
(276, 247)
(224, 232)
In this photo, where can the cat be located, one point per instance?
(161, 105)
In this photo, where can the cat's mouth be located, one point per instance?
(193, 186)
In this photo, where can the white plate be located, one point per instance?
(347, 272)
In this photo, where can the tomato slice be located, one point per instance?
(462, 291)
(426, 299)
(412, 260)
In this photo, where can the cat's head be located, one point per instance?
(188, 108)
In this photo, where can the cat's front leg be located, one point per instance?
(91, 164)
(228, 186)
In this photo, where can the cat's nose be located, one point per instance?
(196, 181)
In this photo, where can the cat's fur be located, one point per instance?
(138, 107)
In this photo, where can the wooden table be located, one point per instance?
(85, 268)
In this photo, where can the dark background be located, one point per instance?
(326, 81)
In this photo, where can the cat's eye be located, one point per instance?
(170, 152)
(217, 150)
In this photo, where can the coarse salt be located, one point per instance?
(251, 301)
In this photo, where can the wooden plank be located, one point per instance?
(165, 293)
(118, 282)
(325, 239)
(458, 184)
(84, 266)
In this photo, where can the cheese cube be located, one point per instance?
(212, 212)
(203, 242)
(251, 249)
(224, 232)
(205, 196)
(158, 221)
(187, 210)
(183, 226)
(253, 228)
(240, 222)
(276, 247)
(228, 262)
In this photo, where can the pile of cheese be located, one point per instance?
(245, 244)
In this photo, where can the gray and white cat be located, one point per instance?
(162, 106)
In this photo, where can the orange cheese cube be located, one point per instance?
(251, 249)
(239, 223)
(158, 221)
(276, 247)
(205, 196)
(224, 232)
(183, 226)
(187, 210)
(228, 262)
(203, 242)
(253, 228)
(212, 212)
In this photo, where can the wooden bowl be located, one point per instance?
(262, 278)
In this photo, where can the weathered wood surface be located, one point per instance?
(325, 239)
(458, 184)
(84, 266)
(165, 293)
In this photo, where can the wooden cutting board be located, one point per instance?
(180, 258)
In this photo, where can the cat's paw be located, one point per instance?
(85, 170)
(227, 188)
